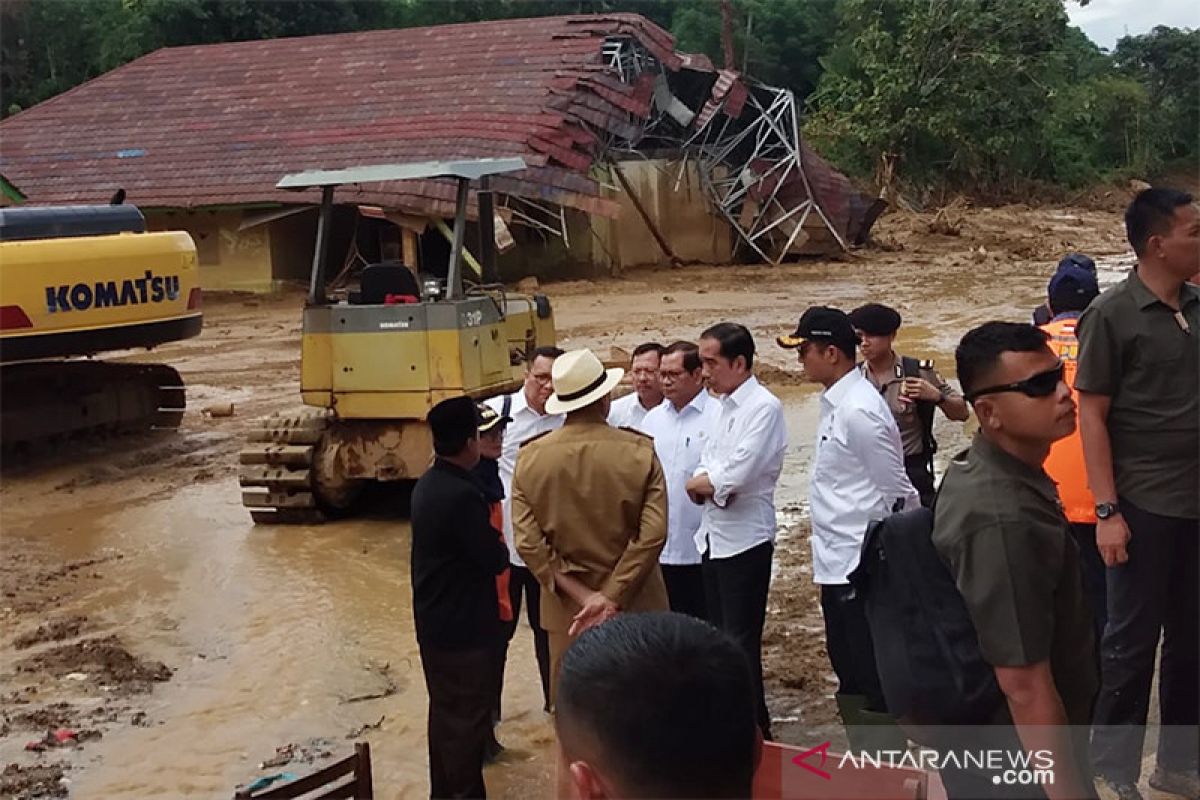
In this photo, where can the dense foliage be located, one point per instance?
(984, 93)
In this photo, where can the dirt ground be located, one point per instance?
(116, 557)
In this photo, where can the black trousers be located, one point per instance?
(460, 718)
(1155, 590)
(735, 590)
(921, 474)
(685, 589)
(521, 582)
(851, 650)
(1095, 586)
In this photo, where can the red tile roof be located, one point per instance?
(220, 124)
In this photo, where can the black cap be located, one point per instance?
(824, 324)
(490, 418)
(1071, 289)
(875, 319)
(454, 420)
(1077, 260)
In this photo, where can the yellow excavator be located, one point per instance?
(374, 361)
(76, 281)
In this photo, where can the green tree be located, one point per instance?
(1166, 61)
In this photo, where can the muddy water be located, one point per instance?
(271, 630)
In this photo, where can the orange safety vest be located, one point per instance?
(1065, 463)
(496, 517)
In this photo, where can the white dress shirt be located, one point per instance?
(742, 459)
(628, 412)
(526, 424)
(679, 438)
(858, 474)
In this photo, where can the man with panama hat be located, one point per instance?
(589, 509)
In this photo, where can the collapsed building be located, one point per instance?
(635, 153)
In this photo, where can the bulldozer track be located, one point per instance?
(55, 401)
(275, 469)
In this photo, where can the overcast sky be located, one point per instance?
(1105, 21)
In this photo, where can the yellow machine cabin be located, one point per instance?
(376, 360)
(76, 281)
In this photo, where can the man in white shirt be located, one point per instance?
(858, 476)
(630, 410)
(735, 482)
(680, 427)
(527, 410)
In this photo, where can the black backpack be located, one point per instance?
(926, 648)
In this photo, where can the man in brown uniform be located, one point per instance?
(589, 509)
(913, 389)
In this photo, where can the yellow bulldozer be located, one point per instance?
(76, 281)
(376, 360)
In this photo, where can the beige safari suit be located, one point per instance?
(589, 500)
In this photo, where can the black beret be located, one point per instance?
(875, 319)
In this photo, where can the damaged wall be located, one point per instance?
(671, 194)
(228, 258)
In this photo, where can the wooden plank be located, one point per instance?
(316, 780)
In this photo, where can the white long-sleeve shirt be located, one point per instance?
(743, 460)
(679, 439)
(858, 474)
(526, 424)
(628, 412)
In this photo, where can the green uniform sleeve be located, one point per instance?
(1007, 573)
(1099, 366)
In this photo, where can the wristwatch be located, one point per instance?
(1106, 510)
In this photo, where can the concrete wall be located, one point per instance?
(229, 258)
(670, 192)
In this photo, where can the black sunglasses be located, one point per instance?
(1042, 384)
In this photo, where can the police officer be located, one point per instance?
(913, 390)
(589, 509)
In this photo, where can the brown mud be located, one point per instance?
(208, 646)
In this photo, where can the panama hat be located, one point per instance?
(580, 379)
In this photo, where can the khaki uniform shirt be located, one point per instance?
(1000, 528)
(911, 432)
(1134, 349)
(590, 500)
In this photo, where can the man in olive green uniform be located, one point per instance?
(1000, 528)
(589, 509)
(1138, 379)
(913, 389)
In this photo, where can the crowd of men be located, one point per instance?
(1073, 544)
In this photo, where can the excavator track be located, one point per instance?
(52, 401)
(276, 469)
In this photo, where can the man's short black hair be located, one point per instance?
(979, 351)
(668, 700)
(1151, 214)
(735, 340)
(691, 354)
(546, 351)
(647, 347)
